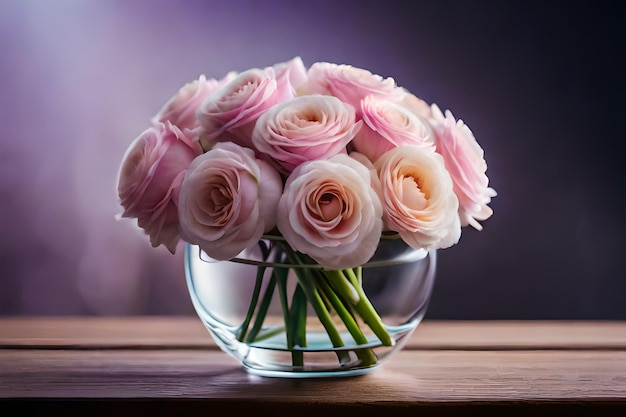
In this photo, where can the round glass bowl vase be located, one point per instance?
(282, 318)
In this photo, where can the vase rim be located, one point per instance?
(407, 255)
(385, 235)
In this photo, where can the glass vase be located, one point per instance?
(282, 315)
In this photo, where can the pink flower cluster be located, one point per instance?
(329, 157)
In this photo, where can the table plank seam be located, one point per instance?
(170, 347)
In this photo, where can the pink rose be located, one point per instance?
(150, 176)
(228, 200)
(419, 202)
(294, 70)
(387, 125)
(305, 128)
(330, 212)
(375, 181)
(182, 107)
(229, 113)
(350, 84)
(464, 159)
(416, 105)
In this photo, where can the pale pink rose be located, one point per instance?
(464, 159)
(418, 200)
(416, 105)
(330, 212)
(181, 109)
(374, 180)
(387, 125)
(150, 176)
(305, 128)
(294, 70)
(228, 200)
(350, 84)
(229, 113)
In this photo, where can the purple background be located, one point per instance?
(541, 84)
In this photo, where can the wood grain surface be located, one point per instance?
(171, 365)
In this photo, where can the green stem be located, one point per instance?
(298, 323)
(315, 299)
(366, 355)
(342, 285)
(366, 310)
(265, 303)
(253, 302)
(295, 324)
(281, 280)
(326, 301)
(266, 334)
(297, 358)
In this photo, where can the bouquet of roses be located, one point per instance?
(330, 159)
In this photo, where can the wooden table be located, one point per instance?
(170, 366)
